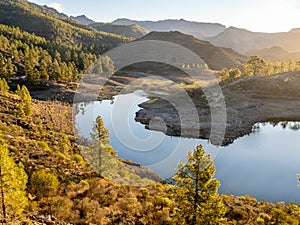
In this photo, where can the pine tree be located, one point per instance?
(25, 105)
(31, 73)
(255, 65)
(100, 138)
(3, 69)
(11, 68)
(13, 180)
(3, 86)
(197, 195)
(56, 73)
(44, 70)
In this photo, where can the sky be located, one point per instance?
(254, 15)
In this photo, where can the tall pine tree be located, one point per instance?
(197, 195)
(100, 138)
(13, 180)
(25, 104)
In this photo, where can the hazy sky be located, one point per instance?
(255, 15)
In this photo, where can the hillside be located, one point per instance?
(199, 30)
(51, 176)
(131, 31)
(45, 144)
(215, 57)
(25, 56)
(47, 23)
(275, 53)
(243, 40)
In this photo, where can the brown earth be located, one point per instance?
(248, 101)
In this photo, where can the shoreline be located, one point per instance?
(248, 101)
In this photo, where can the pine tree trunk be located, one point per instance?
(100, 160)
(2, 197)
(196, 199)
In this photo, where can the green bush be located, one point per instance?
(43, 145)
(43, 183)
(78, 159)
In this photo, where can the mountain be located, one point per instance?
(244, 40)
(131, 31)
(215, 57)
(275, 53)
(82, 19)
(54, 26)
(199, 30)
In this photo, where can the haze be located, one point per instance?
(254, 15)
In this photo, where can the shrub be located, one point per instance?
(78, 159)
(43, 145)
(43, 183)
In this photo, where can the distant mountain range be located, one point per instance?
(100, 37)
(275, 54)
(241, 40)
(244, 40)
(199, 30)
(270, 46)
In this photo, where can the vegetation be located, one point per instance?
(43, 171)
(13, 180)
(37, 59)
(197, 197)
(256, 66)
(25, 104)
(100, 139)
(103, 159)
(3, 86)
(62, 186)
(56, 27)
(43, 183)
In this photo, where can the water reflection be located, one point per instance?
(263, 164)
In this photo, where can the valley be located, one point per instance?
(141, 122)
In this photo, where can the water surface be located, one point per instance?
(263, 164)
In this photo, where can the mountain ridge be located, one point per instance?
(215, 57)
(82, 19)
(48, 23)
(131, 31)
(244, 40)
(197, 29)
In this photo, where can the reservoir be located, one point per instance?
(263, 164)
